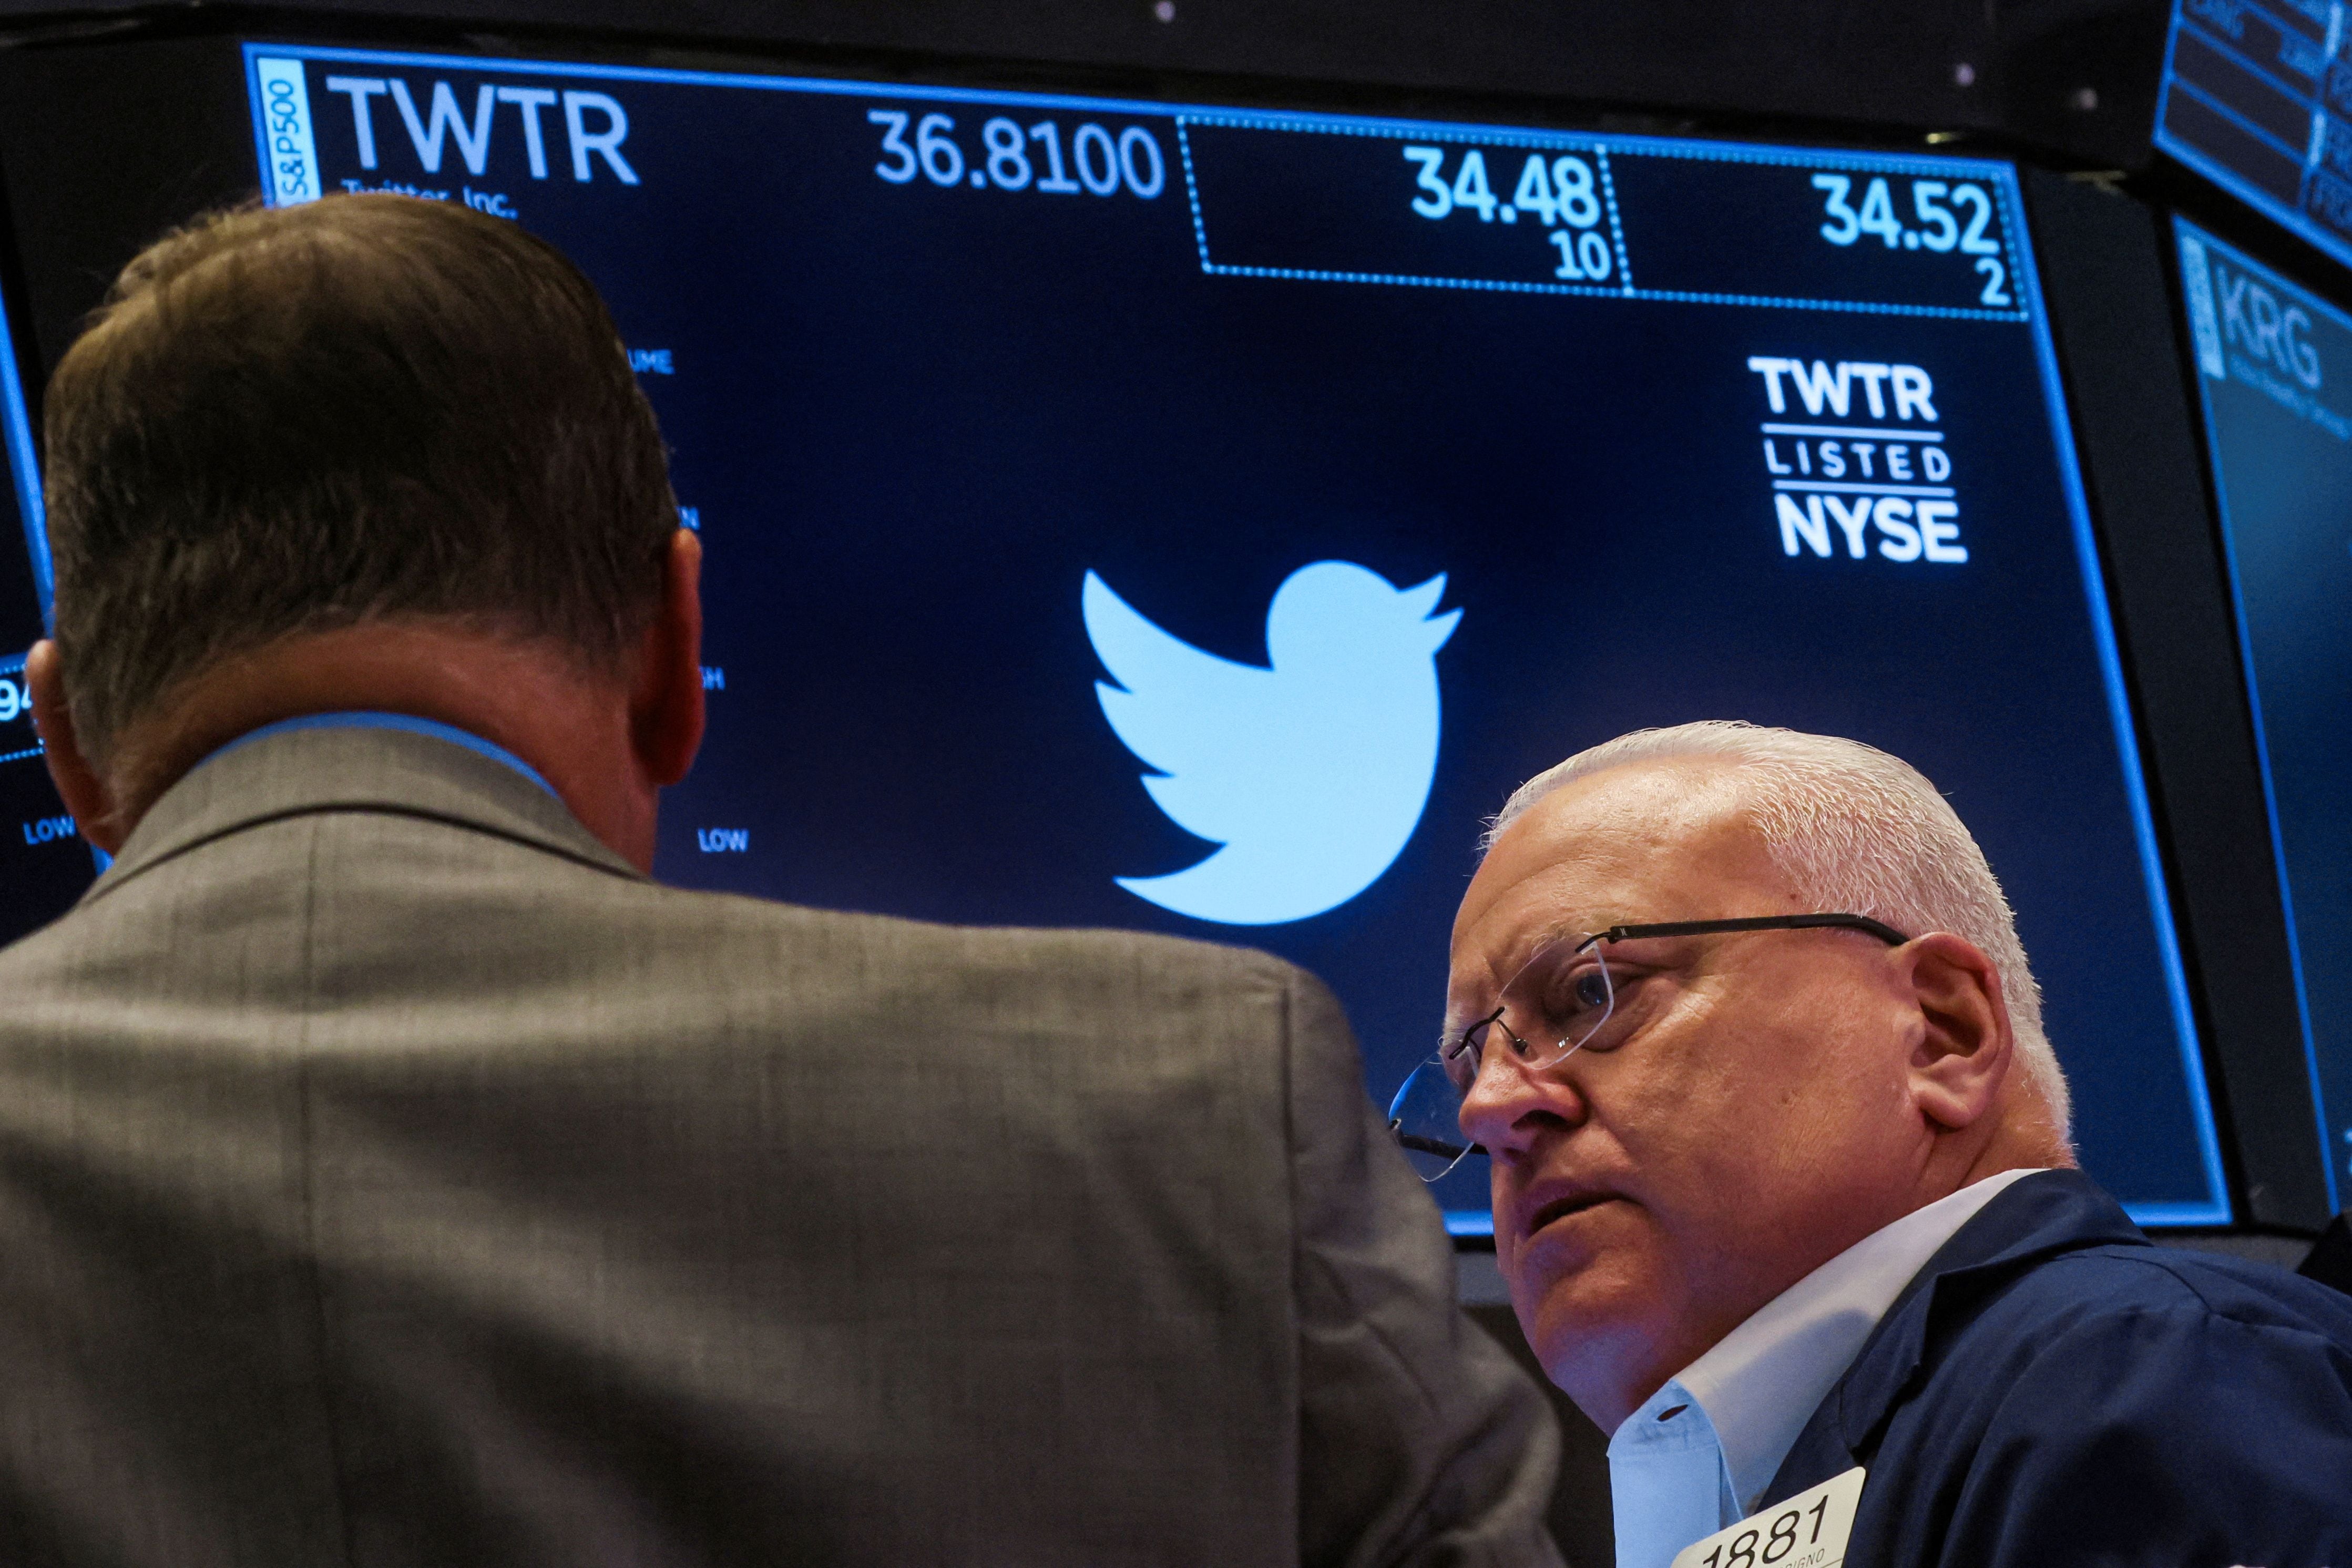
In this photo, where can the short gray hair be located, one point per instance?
(1856, 830)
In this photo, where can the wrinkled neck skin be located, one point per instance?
(572, 728)
(606, 742)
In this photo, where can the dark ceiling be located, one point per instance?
(2075, 78)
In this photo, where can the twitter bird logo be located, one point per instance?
(1311, 774)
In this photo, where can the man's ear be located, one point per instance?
(80, 785)
(665, 704)
(1965, 1045)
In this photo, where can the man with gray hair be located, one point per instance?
(393, 1174)
(1784, 1195)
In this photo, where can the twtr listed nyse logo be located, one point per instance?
(1867, 460)
(1311, 773)
(594, 125)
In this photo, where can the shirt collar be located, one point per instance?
(1762, 1381)
(1666, 1481)
(1699, 1453)
(410, 723)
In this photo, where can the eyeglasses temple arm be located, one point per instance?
(1438, 1146)
(1880, 929)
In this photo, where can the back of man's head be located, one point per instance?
(367, 408)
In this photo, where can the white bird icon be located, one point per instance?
(1311, 774)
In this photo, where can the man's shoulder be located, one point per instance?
(386, 902)
(2117, 1402)
(1160, 998)
(2050, 1311)
(2130, 1340)
(2128, 1288)
(2054, 1255)
(726, 930)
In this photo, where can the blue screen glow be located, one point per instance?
(2258, 99)
(1161, 515)
(2278, 418)
(43, 865)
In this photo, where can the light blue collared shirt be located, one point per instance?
(366, 719)
(1700, 1451)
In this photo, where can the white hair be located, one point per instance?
(1857, 832)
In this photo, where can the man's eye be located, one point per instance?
(1573, 1001)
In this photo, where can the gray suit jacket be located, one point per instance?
(391, 1176)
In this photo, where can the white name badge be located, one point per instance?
(1808, 1530)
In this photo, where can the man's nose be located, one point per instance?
(1509, 1105)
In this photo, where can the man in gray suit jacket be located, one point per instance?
(391, 1174)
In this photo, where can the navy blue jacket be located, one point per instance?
(2054, 1390)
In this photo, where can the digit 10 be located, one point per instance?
(1581, 256)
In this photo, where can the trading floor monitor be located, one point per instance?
(1198, 518)
(2271, 356)
(2257, 96)
(44, 865)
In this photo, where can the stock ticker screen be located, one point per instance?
(2258, 99)
(1199, 520)
(2278, 423)
(44, 865)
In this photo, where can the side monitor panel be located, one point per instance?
(2102, 268)
(86, 191)
(44, 866)
(2269, 357)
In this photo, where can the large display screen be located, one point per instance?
(2274, 360)
(44, 865)
(1199, 519)
(2258, 99)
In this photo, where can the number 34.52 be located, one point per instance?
(1938, 208)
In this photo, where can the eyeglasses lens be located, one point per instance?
(1554, 1005)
